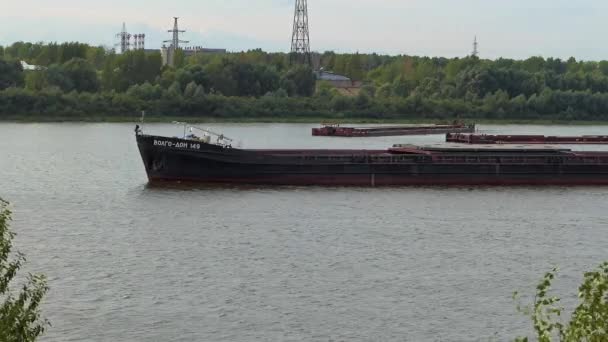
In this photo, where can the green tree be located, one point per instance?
(384, 91)
(96, 56)
(183, 77)
(47, 56)
(82, 74)
(354, 67)
(533, 64)
(589, 321)
(72, 50)
(190, 90)
(220, 74)
(369, 90)
(198, 75)
(20, 317)
(324, 90)
(341, 103)
(303, 78)
(36, 80)
(428, 87)
(56, 76)
(179, 58)
(146, 91)
(603, 67)
(175, 91)
(130, 68)
(401, 87)
(77, 74)
(11, 74)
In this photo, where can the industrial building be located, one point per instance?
(128, 42)
(343, 84)
(168, 52)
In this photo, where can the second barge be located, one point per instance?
(335, 130)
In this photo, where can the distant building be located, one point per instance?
(344, 84)
(191, 51)
(29, 67)
(151, 50)
(168, 53)
(338, 81)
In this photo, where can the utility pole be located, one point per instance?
(176, 31)
(300, 39)
(475, 52)
(169, 53)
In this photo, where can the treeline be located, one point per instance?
(77, 80)
(159, 102)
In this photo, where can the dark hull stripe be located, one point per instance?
(371, 181)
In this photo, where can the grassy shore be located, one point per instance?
(308, 120)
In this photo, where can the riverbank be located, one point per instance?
(308, 120)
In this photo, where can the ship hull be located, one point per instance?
(171, 160)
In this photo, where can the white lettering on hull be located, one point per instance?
(177, 144)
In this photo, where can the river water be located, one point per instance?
(130, 262)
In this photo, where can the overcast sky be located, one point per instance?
(507, 28)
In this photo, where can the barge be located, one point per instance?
(335, 130)
(485, 139)
(196, 159)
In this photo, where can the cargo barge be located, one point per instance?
(194, 159)
(486, 139)
(335, 130)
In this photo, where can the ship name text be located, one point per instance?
(177, 144)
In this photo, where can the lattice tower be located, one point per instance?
(300, 40)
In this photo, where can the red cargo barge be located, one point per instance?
(381, 131)
(192, 159)
(526, 139)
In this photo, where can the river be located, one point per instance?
(130, 262)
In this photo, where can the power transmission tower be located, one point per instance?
(475, 52)
(169, 53)
(124, 39)
(176, 31)
(300, 40)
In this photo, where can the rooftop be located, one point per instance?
(330, 76)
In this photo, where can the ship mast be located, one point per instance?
(221, 138)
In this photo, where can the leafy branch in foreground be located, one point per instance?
(20, 318)
(589, 322)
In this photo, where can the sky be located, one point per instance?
(505, 28)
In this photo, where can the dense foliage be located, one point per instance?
(20, 319)
(589, 321)
(76, 80)
(11, 74)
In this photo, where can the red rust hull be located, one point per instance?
(485, 139)
(353, 132)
